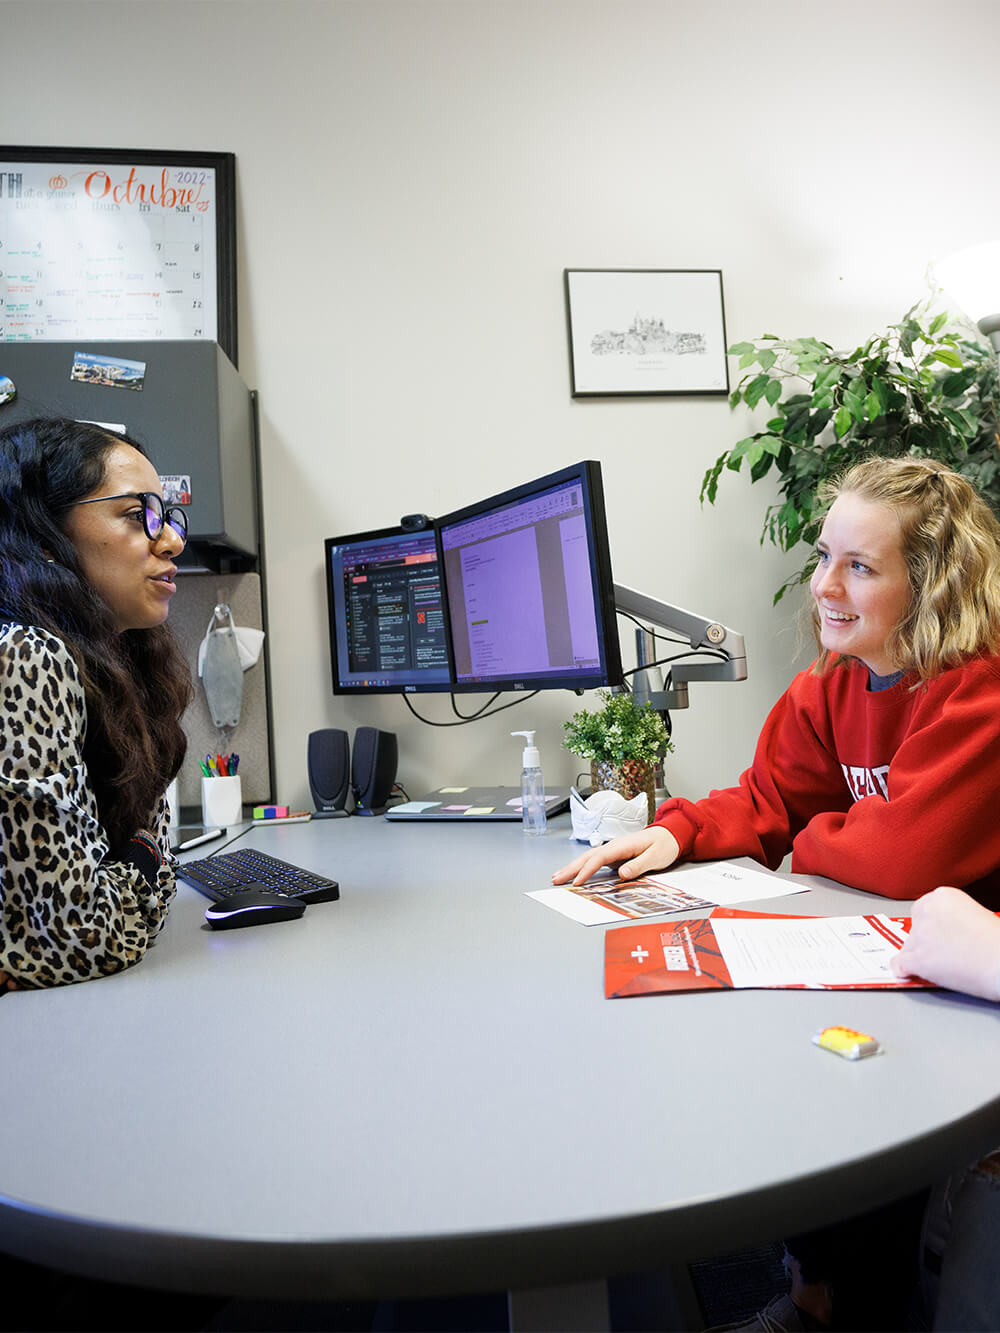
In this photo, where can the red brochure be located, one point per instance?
(736, 950)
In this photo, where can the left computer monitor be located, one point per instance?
(387, 630)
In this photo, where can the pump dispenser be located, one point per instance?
(532, 786)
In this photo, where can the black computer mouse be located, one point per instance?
(252, 905)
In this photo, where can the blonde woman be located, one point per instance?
(880, 765)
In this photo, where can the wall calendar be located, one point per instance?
(107, 245)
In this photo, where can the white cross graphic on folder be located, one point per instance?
(640, 954)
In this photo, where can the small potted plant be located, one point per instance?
(623, 743)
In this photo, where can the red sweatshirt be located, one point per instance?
(895, 791)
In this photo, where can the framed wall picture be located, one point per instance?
(112, 244)
(638, 332)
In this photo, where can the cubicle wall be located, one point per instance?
(193, 414)
(191, 613)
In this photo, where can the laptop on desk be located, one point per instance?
(490, 803)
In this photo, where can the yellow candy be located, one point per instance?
(852, 1045)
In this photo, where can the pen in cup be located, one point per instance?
(220, 766)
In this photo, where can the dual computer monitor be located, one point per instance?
(514, 592)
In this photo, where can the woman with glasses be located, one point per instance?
(92, 689)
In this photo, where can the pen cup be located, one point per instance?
(221, 802)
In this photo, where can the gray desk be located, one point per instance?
(420, 1089)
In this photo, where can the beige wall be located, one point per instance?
(413, 177)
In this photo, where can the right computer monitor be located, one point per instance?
(528, 587)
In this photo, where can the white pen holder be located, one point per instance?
(221, 801)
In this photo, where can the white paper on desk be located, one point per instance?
(689, 888)
(809, 951)
(723, 883)
(584, 910)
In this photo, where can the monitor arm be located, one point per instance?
(698, 631)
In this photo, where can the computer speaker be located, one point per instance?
(373, 769)
(329, 761)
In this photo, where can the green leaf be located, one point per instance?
(953, 386)
(854, 398)
(818, 421)
(734, 458)
(762, 466)
(877, 400)
(813, 345)
(739, 349)
(826, 377)
(959, 421)
(755, 390)
(938, 322)
(947, 357)
(842, 421)
(710, 481)
(796, 422)
(773, 392)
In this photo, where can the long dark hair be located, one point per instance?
(137, 682)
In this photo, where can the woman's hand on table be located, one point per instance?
(634, 854)
(953, 941)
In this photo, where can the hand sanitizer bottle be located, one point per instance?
(532, 786)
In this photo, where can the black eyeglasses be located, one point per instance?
(154, 516)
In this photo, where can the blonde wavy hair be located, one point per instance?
(951, 544)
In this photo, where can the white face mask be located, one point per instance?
(248, 643)
(606, 815)
(226, 651)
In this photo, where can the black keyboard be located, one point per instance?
(221, 876)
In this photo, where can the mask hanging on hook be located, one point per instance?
(221, 670)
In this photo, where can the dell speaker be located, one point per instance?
(373, 769)
(329, 760)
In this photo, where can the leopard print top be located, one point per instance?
(67, 912)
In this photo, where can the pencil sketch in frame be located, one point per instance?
(639, 332)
